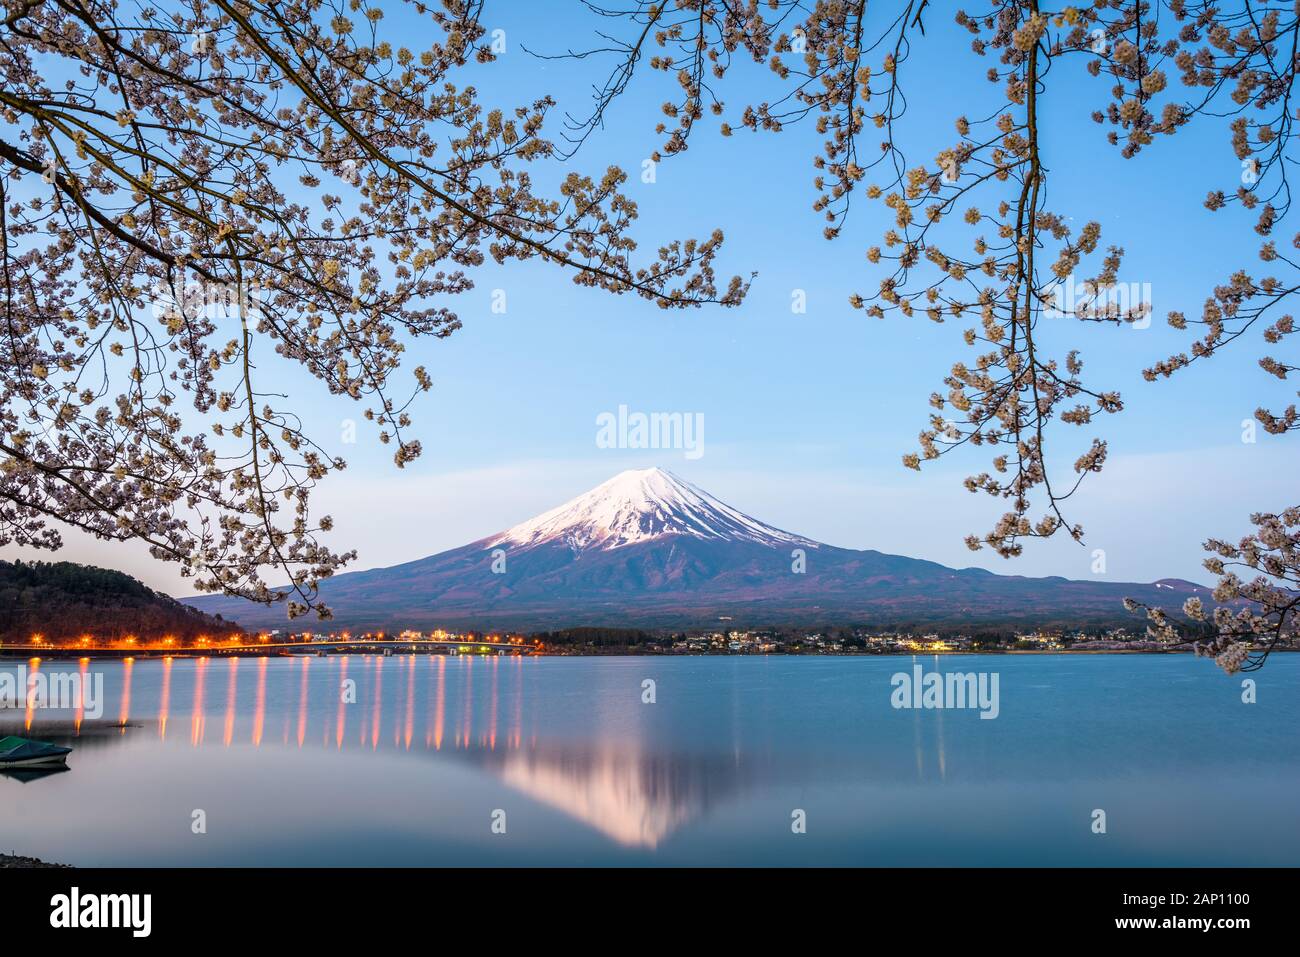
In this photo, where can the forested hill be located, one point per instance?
(64, 600)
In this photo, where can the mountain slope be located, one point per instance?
(639, 506)
(63, 600)
(649, 549)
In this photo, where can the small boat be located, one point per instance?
(21, 753)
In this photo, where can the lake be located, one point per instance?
(434, 760)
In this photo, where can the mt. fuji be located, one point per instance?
(639, 506)
(648, 549)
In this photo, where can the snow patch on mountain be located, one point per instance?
(640, 505)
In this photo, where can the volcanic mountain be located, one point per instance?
(647, 549)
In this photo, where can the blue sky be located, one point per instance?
(807, 416)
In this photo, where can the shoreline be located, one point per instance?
(11, 861)
(632, 652)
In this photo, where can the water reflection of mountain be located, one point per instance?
(519, 722)
(634, 797)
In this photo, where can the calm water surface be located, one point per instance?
(290, 771)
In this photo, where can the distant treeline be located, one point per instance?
(598, 637)
(851, 636)
(64, 600)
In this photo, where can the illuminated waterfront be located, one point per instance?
(436, 642)
(403, 760)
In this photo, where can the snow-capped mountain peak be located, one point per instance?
(646, 549)
(639, 505)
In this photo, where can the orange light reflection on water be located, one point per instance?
(33, 666)
(259, 716)
(302, 702)
(124, 713)
(442, 702)
(377, 718)
(492, 728)
(501, 724)
(410, 699)
(517, 723)
(197, 718)
(342, 720)
(469, 697)
(164, 702)
(232, 688)
(81, 694)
